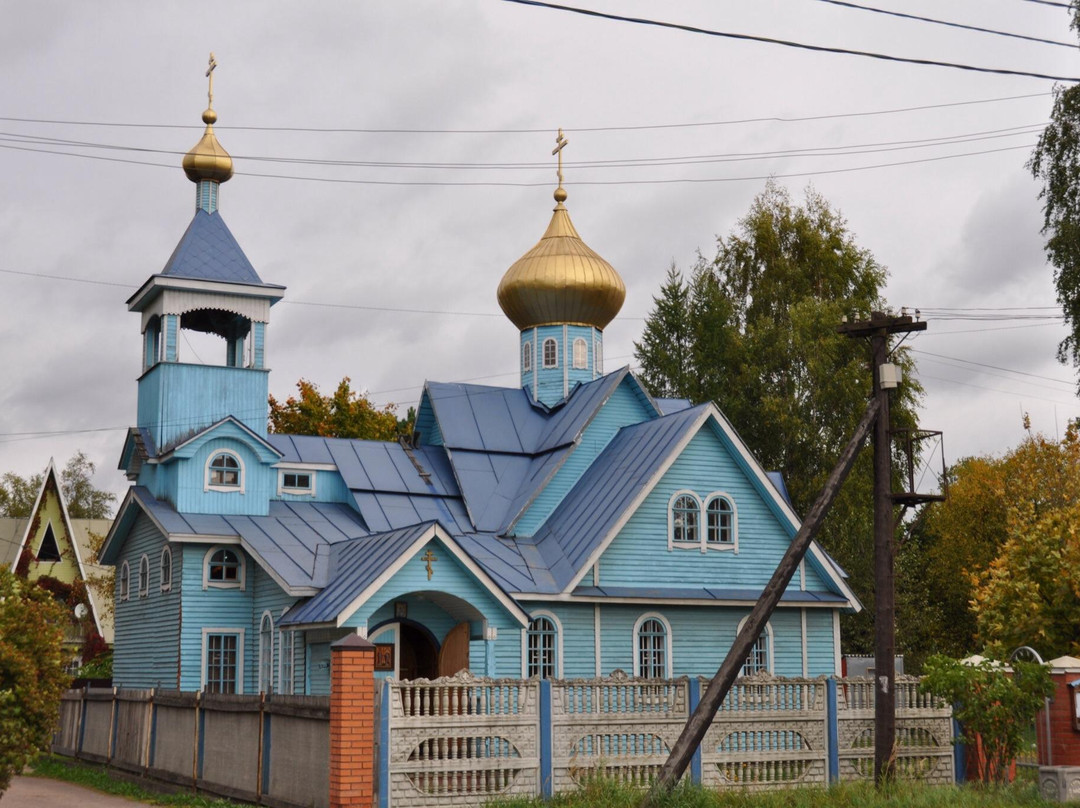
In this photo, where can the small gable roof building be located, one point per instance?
(569, 526)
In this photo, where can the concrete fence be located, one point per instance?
(268, 749)
(463, 740)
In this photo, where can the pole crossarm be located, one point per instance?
(698, 723)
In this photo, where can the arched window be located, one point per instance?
(526, 356)
(653, 644)
(581, 353)
(542, 644)
(720, 521)
(266, 653)
(144, 576)
(685, 516)
(223, 569)
(551, 353)
(759, 660)
(165, 568)
(225, 472)
(286, 651)
(125, 581)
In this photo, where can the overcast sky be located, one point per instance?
(359, 246)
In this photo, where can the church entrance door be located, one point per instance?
(454, 654)
(417, 655)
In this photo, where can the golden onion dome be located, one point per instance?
(561, 281)
(207, 160)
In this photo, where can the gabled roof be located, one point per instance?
(361, 566)
(208, 251)
(231, 427)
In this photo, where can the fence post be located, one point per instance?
(832, 728)
(384, 746)
(547, 770)
(114, 717)
(959, 753)
(693, 694)
(352, 723)
(82, 724)
(266, 721)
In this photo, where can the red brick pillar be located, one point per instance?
(352, 723)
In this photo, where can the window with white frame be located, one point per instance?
(223, 662)
(542, 644)
(223, 569)
(759, 660)
(526, 356)
(144, 576)
(266, 653)
(165, 568)
(685, 518)
(598, 357)
(225, 472)
(124, 585)
(581, 353)
(653, 641)
(551, 353)
(720, 521)
(296, 482)
(286, 649)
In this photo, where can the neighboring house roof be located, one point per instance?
(12, 531)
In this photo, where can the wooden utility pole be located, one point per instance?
(718, 688)
(878, 329)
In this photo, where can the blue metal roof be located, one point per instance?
(586, 515)
(668, 406)
(209, 252)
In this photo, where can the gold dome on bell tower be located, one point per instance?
(207, 159)
(561, 280)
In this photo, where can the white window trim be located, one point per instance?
(124, 582)
(166, 582)
(584, 363)
(731, 546)
(669, 663)
(270, 685)
(239, 632)
(526, 356)
(227, 489)
(558, 643)
(144, 576)
(240, 583)
(671, 543)
(286, 684)
(543, 351)
(768, 632)
(305, 492)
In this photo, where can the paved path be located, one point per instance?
(37, 792)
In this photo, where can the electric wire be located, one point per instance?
(916, 17)
(791, 44)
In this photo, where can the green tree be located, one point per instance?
(32, 677)
(345, 414)
(754, 330)
(1056, 163)
(84, 501)
(991, 704)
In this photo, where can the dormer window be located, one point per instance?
(296, 482)
(581, 353)
(225, 472)
(551, 353)
(223, 569)
(526, 357)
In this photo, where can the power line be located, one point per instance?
(1051, 3)
(531, 131)
(791, 44)
(949, 24)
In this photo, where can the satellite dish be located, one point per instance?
(80, 611)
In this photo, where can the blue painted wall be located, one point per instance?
(177, 399)
(623, 408)
(147, 628)
(329, 487)
(552, 384)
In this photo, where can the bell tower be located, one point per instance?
(209, 286)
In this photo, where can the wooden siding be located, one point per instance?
(621, 409)
(177, 399)
(329, 487)
(426, 425)
(146, 649)
(576, 641)
(266, 596)
(549, 381)
(259, 482)
(451, 578)
(703, 467)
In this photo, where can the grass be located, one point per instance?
(102, 779)
(606, 794)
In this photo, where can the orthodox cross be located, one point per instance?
(429, 557)
(210, 76)
(560, 144)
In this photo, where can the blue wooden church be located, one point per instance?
(565, 527)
